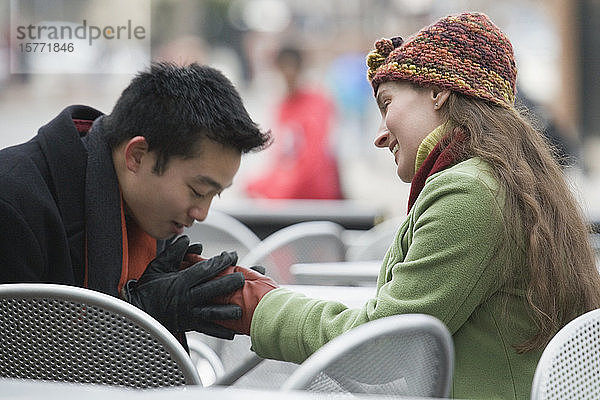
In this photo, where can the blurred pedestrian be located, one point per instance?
(302, 162)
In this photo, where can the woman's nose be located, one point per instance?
(382, 139)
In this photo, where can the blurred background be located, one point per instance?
(555, 41)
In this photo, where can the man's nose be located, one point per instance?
(199, 213)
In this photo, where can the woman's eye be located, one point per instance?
(383, 106)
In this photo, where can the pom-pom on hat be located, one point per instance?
(465, 53)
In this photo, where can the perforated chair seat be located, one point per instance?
(70, 334)
(401, 355)
(569, 367)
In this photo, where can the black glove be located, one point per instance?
(194, 248)
(260, 269)
(180, 300)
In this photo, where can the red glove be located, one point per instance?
(248, 297)
(256, 285)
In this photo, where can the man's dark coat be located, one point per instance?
(44, 206)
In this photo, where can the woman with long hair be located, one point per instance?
(494, 243)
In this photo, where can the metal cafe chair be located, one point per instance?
(301, 242)
(401, 355)
(70, 334)
(245, 369)
(311, 241)
(569, 367)
(374, 243)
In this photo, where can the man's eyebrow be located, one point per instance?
(207, 180)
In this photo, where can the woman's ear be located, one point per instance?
(135, 150)
(439, 97)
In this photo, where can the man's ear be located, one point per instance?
(439, 97)
(135, 150)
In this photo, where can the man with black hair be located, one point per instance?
(95, 200)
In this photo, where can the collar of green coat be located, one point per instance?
(428, 144)
(439, 158)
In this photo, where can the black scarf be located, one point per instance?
(104, 237)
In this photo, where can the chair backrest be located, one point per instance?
(312, 241)
(374, 243)
(222, 232)
(569, 367)
(65, 333)
(401, 355)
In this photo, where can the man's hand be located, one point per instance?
(183, 300)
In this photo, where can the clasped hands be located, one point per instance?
(186, 292)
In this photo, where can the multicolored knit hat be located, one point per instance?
(464, 53)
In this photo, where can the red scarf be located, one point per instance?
(438, 160)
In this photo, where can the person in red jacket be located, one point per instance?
(303, 165)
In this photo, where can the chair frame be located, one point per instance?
(113, 305)
(374, 243)
(201, 353)
(393, 325)
(290, 234)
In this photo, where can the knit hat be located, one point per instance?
(464, 53)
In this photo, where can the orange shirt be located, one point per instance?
(139, 249)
